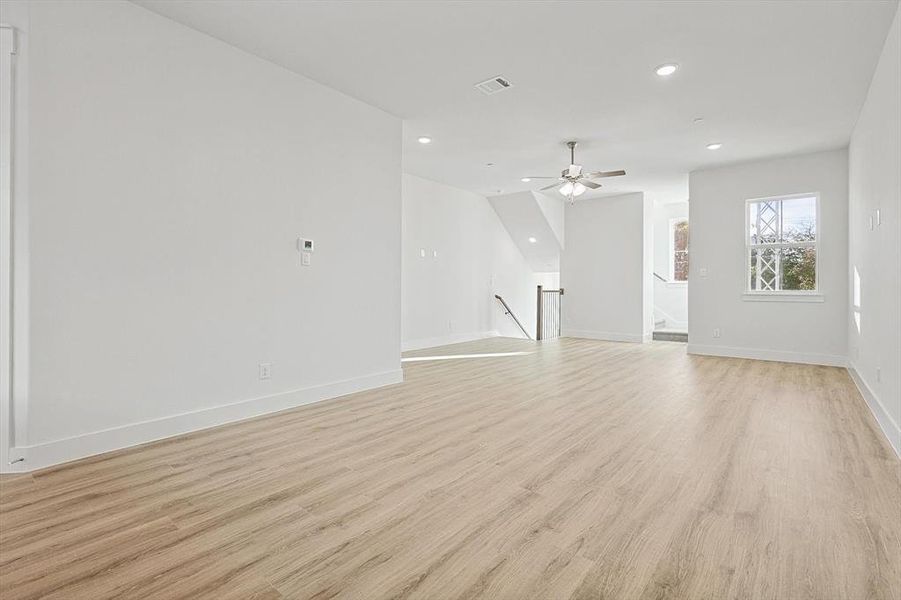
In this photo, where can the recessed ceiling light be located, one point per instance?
(526, 179)
(714, 146)
(425, 140)
(697, 120)
(666, 69)
(532, 240)
(489, 164)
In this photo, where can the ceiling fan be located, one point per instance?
(572, 181)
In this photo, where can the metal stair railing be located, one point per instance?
(509, 311)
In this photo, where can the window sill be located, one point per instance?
(783, 297)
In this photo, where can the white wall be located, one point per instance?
(553, 207)
(450, 298)
(812, 332)
(647, 269)
(7, 62)
(875, 255)
(527, 215)
(670, 298)
(604, 269)
(549, 281)
(170, 175)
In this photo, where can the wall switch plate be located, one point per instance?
(265, 370)
(878, 217)
(305, 258)
(702, 271)
(422, 253)
(716, 332)
(434, 254)
(870, 225)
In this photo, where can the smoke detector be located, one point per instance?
(493, 85)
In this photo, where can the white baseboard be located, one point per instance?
(883, 418)
(47, 454)
(606, 336)
(807, 358)
(445, 340)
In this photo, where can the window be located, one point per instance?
(678, 250)
(782, 244)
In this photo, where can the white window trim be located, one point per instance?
(671, 255)
(784, 296)
(814, 295)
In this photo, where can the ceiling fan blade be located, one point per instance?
(549, 187)
(532, 177)
(590, 184)
(599, 174)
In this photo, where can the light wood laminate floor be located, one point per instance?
(579, 469)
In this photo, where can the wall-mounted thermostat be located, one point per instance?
(304, 245)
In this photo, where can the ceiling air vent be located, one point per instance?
(493, 85)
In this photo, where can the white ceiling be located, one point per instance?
(769, 78)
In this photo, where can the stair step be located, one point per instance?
(670, 336)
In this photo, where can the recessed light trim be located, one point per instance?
(666, 69)
(424, 140)
(714, 146)
(526, 179)
(532, 240)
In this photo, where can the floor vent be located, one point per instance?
(670, 336)
(493, 85)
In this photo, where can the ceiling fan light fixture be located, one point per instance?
(572, 189)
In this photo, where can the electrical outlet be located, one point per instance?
(716, 332)
(265, 370)
(878, 375)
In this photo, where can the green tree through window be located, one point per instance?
(680, 250)
(782, 244)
